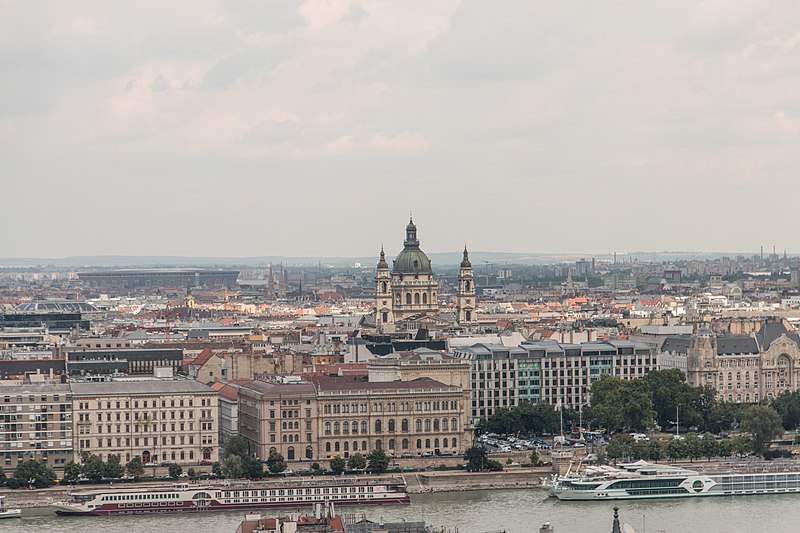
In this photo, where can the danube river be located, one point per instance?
(515, 511)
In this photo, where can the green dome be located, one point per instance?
(412, 261)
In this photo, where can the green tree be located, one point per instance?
(357, 462)
(216, 468)
(93, 468)
(236, 446)
(676, 449)
(316, 468)
(476, 457)
(668, 390)
(135, 467)
(694, 446)
(787, 404)
(253, 468)
(34, 472)
(192, 473)
(231, 467)
(175, 470)
(377, 461)
(113, 467)
(710, 448)
(337, 465)
(72, 471)
(655, 450)
(764, 424)
(640, 450)
(725, 448)
(534, 457)
(622, 404)
(275, 463)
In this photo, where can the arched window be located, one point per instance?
(453, 424)
(405, 444)
(355, 445)
(404, 425)
(419, 443)
(363, 445)
(435, 443)
(290, 453)
(453, 441)
(444, 424)
(327, 446)
(327, 428)
(468, 316)
(424, 297)
(336, 428)
(391, 424)
(378, 427)
(418, 425)
(378, 444)
(408, 298)
(354, 426)
(336, 446)
(346, 446)
(309, 453)
(383, 286)
(427, 424)
(436, 424)
(428, 444)
(444, 443)
(363, 426)
(466, 286)
(416, 298)
(391, 444)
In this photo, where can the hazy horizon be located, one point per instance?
(314, 127)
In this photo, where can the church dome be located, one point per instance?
(411, 260)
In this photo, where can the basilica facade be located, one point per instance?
(409, 290)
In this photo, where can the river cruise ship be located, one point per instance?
(184, 497)
(643, 480)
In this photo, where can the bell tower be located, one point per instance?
(384, 314)
(465, 298)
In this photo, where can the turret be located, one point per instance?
(465, 297)
(384, 314)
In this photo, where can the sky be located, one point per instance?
(313, 128)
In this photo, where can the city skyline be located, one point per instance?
(294, 126)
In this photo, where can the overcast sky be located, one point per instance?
(314, 128)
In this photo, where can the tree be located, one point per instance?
(135, 467)
(175, 470)
(34, 472)
(476, 457)
(337, 465)
(676, 449)
(787, 404)
(622, 404)
(236, 446)
(192, 473)
(655, 450)
(93, 468)
(710, 448)
(276, 463)
(113, 468)
(252, 467)
(357, 462)
(216, 469)
(764, 424)
(316, 468)
(72, 471)
(377, 461)
(232, 467)
(619, 446)
(694, 446)
(534, 457)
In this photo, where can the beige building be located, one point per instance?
(279, 417)
(741, 368)
(209, 367)
(345, 415)
(420, 363)
(35, 423)
(158, 420)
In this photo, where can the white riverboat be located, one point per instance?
(8, 513)
(643, 480)
(184, 497)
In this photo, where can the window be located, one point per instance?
(404, 425)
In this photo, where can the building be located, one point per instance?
(133, 361)
(465, 296)
(548, 371)
(421, 363)
(35, 423)
(173, 420)
(742, 368)
(228, 403)
(334, 415)
(57, 323)
(279, 417)
(143, 278)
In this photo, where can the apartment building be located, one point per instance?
(170, 420)
(35, 423)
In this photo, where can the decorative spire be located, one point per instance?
(615, 527)
(382, 262)
(465, 262)
(411, 235)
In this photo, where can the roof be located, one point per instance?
(277, 389)
(773, 330)
(226, 390)
(676, 344)
(736, 344)
(356, 384)
(151, 386)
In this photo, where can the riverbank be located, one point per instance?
(418, 483)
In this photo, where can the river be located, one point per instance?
(515, 511)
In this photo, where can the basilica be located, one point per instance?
(409, 292)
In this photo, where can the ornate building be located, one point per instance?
(410, 291)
